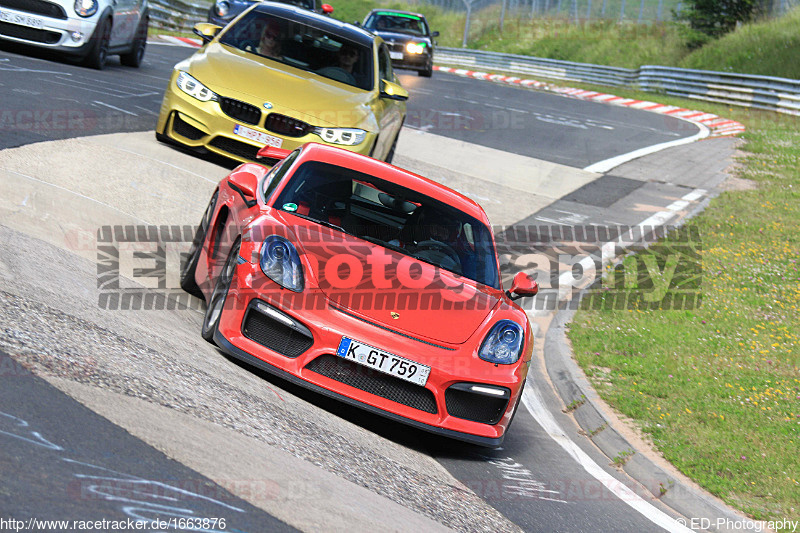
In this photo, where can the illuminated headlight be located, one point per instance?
(415, 48)
(194, 88)
(345, 136)
(86, 8)
(222, 8)
(503, 345)
(280, 262)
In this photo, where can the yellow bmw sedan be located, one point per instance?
(283, 76)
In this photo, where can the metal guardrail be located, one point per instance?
(535, 66)
(177, 15)
(762, 92)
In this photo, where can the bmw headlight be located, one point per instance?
(86, 8)
(280, 262)
(415, 48)
(222, 8)
(194, 88)
(503, 345)
(344, 136)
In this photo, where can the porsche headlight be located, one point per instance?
(194, 88)
(503, 345)
(86, 8)
(280, 262)
(344, 136)
(222, 8)
(415, 48)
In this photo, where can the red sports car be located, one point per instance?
(367, 283)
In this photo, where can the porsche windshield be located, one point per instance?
(299, 45)
(394, 217)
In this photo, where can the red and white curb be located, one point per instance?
(717, 125)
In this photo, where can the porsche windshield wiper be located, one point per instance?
(321, 222)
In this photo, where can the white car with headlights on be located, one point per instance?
(88, 30)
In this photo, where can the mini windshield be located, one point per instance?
(392, 216)
(302, 46)
(398, 23)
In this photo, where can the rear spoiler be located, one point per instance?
(271, 152)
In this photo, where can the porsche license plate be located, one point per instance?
(253, 135)
(396, 55)
(22, 20)
(385, 362)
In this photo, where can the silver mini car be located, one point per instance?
(89, 30)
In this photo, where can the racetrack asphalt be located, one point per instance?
(62, 208)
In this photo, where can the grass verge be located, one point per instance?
(717, 388)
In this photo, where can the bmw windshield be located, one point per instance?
(306, 47)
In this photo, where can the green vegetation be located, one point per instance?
(715, 18)
(717, 388)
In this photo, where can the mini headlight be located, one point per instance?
(222, 8)
(194, 88)
(86, 8)
(280, 262)
(345, 136)
(503, 345)
(415, 48)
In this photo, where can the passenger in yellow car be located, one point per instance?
(270, 45)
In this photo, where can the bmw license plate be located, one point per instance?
(22, 20)
(253, 135)
(385, 362)
(396, 55)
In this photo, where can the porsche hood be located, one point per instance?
(393, 290)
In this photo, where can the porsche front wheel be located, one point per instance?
(188, 282)
(217, 301)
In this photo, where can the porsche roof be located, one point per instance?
(402, 177)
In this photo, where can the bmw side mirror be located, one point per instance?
(327, 9)
(435, 34)
(393, 91)
(206, 31)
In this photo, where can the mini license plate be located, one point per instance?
(396, 55)
(385, 362)
(22, 20)
(253, 135)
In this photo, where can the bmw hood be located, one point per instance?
(390, 289)
(303, 95)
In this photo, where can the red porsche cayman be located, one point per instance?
(366, 283)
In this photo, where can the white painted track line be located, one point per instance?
(535, 405)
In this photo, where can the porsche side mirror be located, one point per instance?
(523, 285)
(393, 91)
(435, 34)
(206, 31)
(327, 9)
(245, 182)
